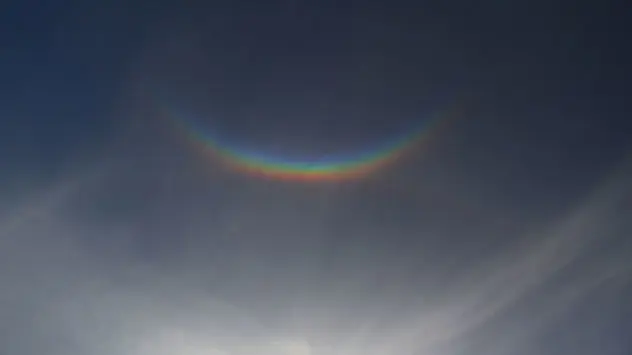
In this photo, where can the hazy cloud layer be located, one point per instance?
(127, 261)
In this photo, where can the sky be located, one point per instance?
(315, 177)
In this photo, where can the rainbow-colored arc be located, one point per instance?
(338, 168)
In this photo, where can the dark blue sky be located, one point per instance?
(547, 78)
(64, 64)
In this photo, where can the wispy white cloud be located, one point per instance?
(255, 276)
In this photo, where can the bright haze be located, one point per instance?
(315, 178)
